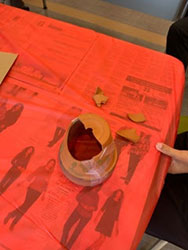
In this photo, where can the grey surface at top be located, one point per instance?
(120, 13)
(167, 9)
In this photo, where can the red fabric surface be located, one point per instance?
(54, 78)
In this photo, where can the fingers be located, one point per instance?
(180, 155)
(165, 149)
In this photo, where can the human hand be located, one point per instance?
(179, 163)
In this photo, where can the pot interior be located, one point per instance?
(82, 143)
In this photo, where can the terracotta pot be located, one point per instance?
(88, 153)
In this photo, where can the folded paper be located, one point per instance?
(6, 62)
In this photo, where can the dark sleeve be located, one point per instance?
(181, 142)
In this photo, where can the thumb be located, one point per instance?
(167, 150)
(179, 155)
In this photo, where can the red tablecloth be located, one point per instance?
(53, 80)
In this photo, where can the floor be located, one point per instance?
(119, 22)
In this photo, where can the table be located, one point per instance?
(53, 80)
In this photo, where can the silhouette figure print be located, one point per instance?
(39, 181)
(11, 116)
(19, 164)
(109, 214)
(87, 199)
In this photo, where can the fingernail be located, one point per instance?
(159, 145)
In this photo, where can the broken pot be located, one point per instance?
(88, 153)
